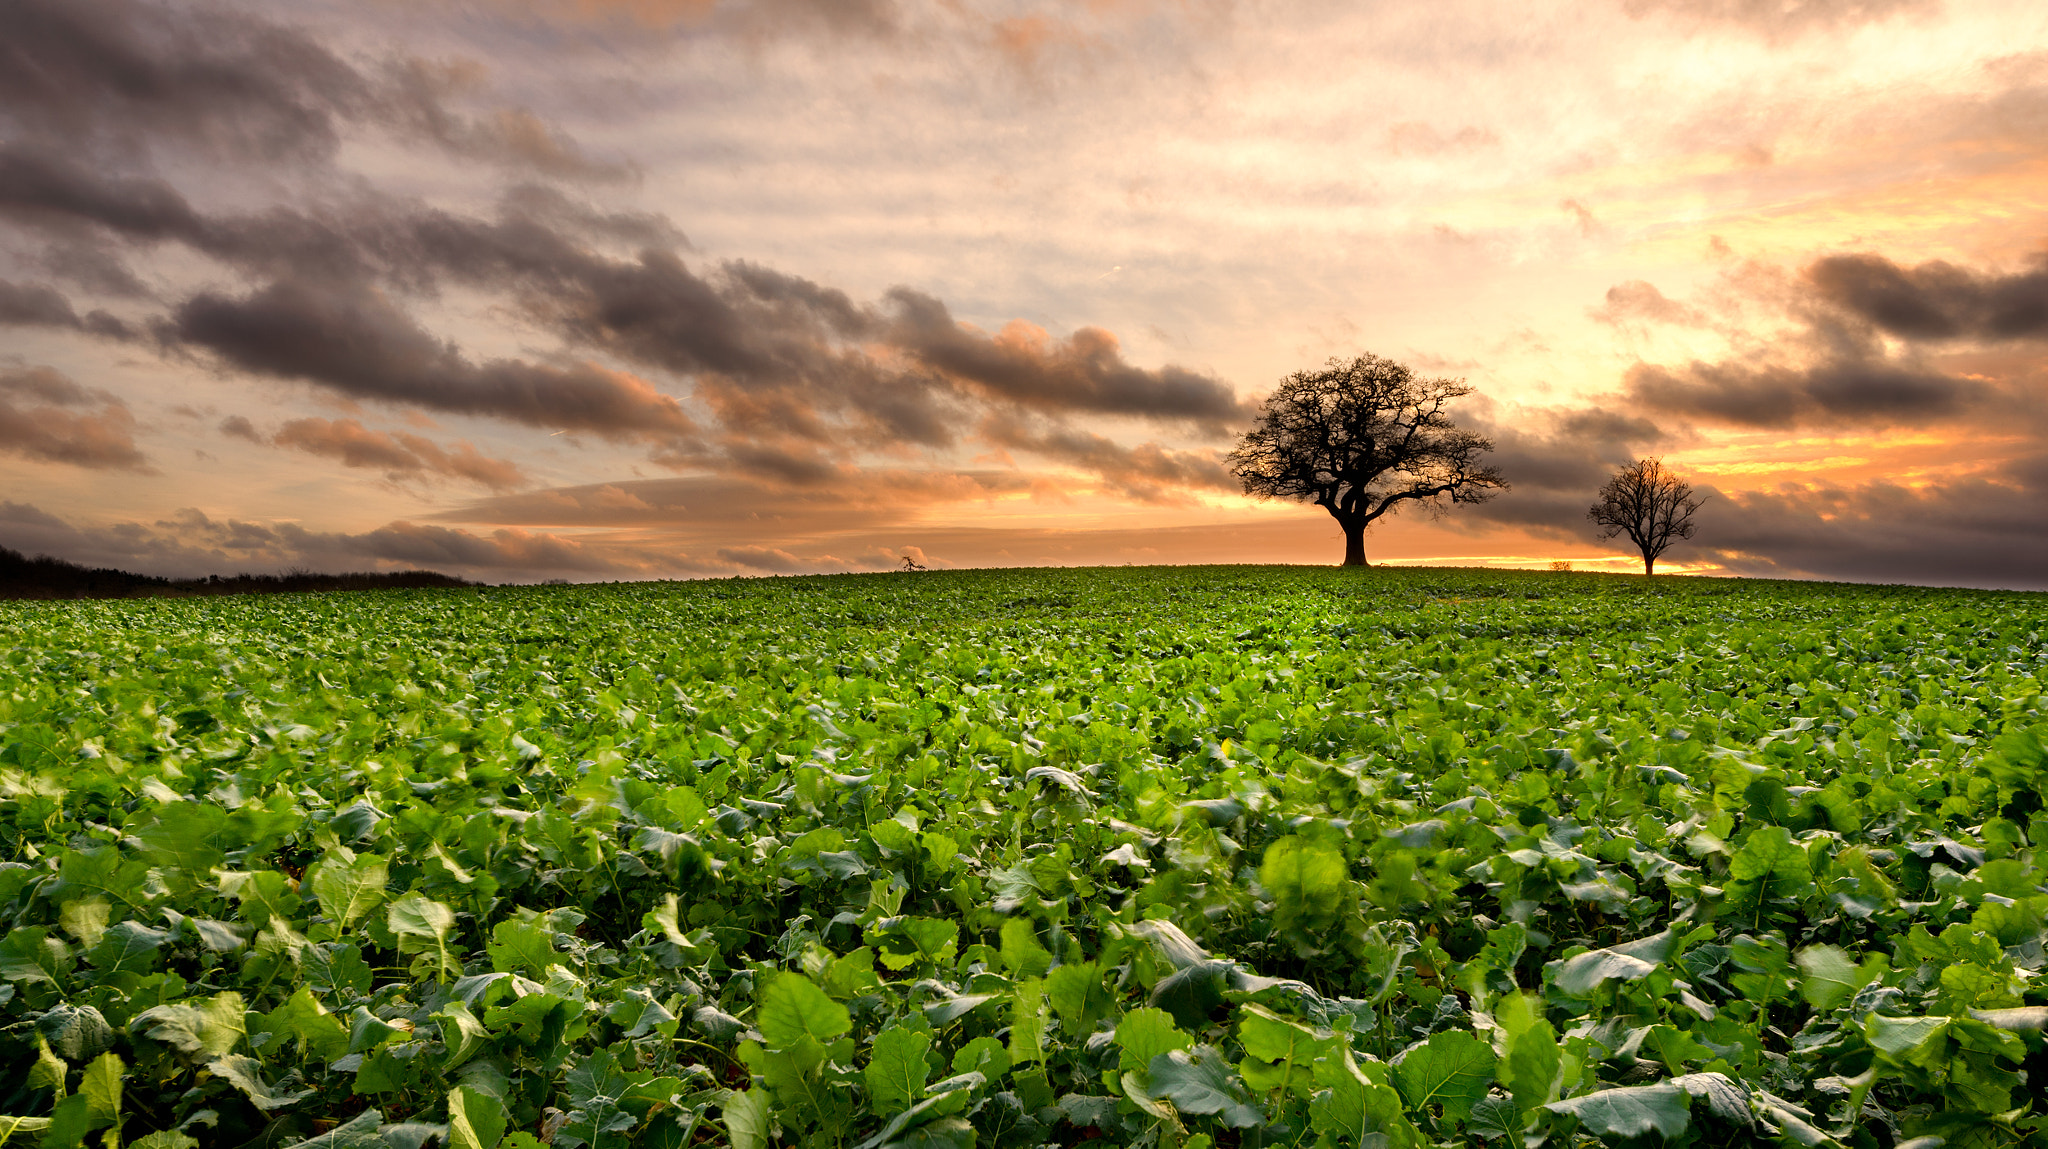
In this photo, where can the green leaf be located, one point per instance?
(1620, 1116)
(302, 1019)
(461, 1033)
(1076, 993)
(1530, 1070)
(1828, 976)
(85, 919)
(1725, 1099)
(126, 946)
(48, 1071)
(418, 916)
(201, 1032)
(1027, 1022)
(475, 1120)
(1021, 953)
(1452, 1069)
(247, 1076)
(1309, 883)
(186, 837)
(791, 1008)
(745, 1116)
(1900, 1037)
(1353, 1105)
(896, 1069)
(360, 1132)
(29, 954)
(1198, 1081)
(423, 926)
(75, 1032)
(1145, 1033)
(70, 1121)
(1769, 865)
(1578, 976)
(526, 947)
(348, 889)
(16, 1130)
(100, 1085)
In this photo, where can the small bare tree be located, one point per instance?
(1648, 503)
(1360, 439)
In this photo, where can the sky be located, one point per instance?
(628, 289)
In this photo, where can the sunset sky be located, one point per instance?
(623, 289)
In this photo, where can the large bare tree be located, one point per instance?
(1649, 504)
(1360, 439)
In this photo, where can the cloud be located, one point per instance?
(192, 542)
(114, 72)
(710, 507)
(774, 357)
(1936, 301)
(1556, 458)
(747, 18)
(34, 305)
(1864, 343)
(399, 454)
(41, 418)
(357, 343)
(1852, 390)
(770, 559)
(118, 77)
(1147, 472)
(1416, 138)
(1025, 365)
(1774, 18)
(1637, 301)
(1980, 530)
(420, 97)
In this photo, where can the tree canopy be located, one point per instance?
(1360, 439)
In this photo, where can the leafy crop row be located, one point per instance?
(1222, 856)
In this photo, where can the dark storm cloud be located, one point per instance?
(768, 350)
(1973, 531)
(1870, 344)
(1555, 460)
(34, 305)
(41, 185)
(357, 343)
(1085, 372)
(118, 77)
(1850, 392)
(47, 417)
(798, 377)
(116, 72)
(1936, 300)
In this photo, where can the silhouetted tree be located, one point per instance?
(1359, 439)
(1649, 504)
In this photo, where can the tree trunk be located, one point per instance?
(1649, 565)
(1354, 545)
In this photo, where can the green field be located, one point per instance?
(1232, 856)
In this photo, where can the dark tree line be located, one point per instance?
(43, 577)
